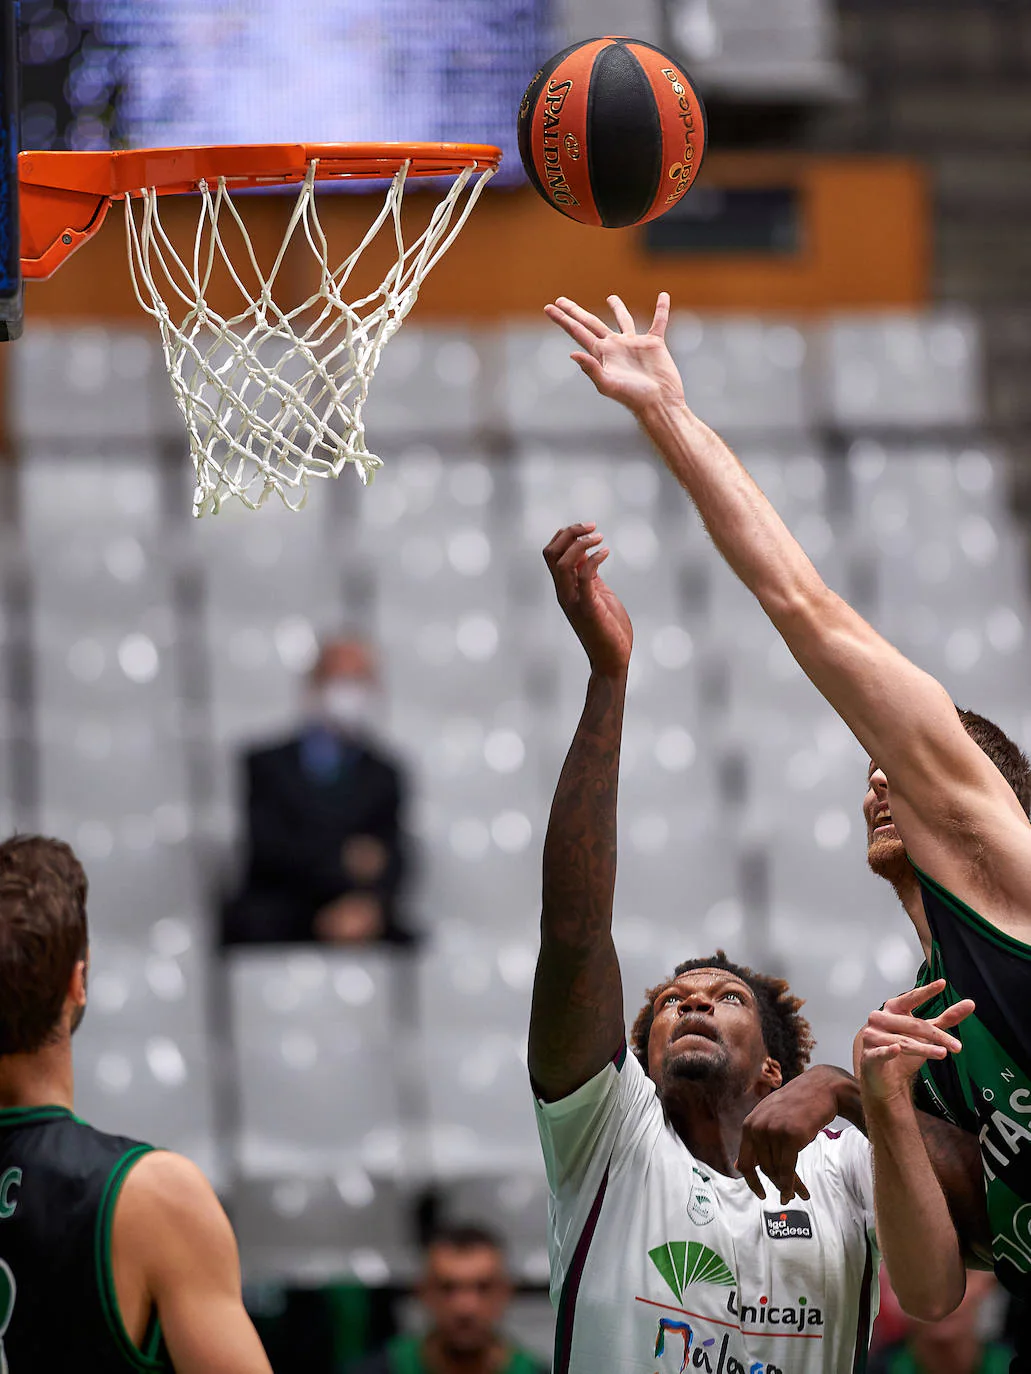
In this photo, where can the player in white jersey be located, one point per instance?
(662, 1257)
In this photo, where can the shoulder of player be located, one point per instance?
(167, 1200)
(834, 1146)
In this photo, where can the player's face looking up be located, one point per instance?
(707, 1028)
(885, 852)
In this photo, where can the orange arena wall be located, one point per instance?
(865, 233)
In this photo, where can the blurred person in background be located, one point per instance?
(464, 1290)
(325, 846)
(961, 1343)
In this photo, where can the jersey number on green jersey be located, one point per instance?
(8, 1293)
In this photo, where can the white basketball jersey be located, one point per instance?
(660, 1265)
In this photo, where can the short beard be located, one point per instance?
(887, 858)
(714, 1070)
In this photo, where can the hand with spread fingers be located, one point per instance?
(784, 1123)
(635, 369)
(590, 605)
(894, 1043)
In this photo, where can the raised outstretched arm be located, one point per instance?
(948, 800)
(576, 1021)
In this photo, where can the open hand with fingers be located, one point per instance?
(590, 605)
(894, 1043)
(784, 1123)
(635, 369)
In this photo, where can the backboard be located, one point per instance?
(10, 246)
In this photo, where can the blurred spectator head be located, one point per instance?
(465, 1288)
(344, 684)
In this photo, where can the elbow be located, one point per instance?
(932, 1305)
(797, 605)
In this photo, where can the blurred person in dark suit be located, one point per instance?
(464, 1290)
(959, 1343)
(325, 846)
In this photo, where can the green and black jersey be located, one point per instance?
(59, 1182)
(986, 1089)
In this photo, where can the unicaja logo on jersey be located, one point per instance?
(751, 1316)
(681, 1262)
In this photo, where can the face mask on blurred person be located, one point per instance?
(347, 704)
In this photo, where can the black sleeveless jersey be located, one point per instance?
(986, 1088)
(59, 1182)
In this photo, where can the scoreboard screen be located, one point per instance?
(138, 73)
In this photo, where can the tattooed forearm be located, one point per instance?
(577, 1018)
(580, 848)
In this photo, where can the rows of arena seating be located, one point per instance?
(141, 649)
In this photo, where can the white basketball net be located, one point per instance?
(273, 397)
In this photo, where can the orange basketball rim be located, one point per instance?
(271, 392)
(65, 196)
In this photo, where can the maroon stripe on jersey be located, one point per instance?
(571, 1286)
(862, 1352)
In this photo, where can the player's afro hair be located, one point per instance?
(786, 1034)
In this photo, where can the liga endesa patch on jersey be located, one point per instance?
(788, 1225)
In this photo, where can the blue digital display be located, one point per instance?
(10, 254)
(233, 71)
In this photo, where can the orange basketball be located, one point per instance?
(612, 132)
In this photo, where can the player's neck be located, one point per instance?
(708, 1124)
(43, 1079)
(907, 890)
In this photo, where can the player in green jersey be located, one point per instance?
(113, 1256)
(963, 829)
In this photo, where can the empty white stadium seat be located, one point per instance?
(109, 767)
(743, 374)
(89, 383)
(543, 394)
(149, 1076)
(302, 1230)
(316, 1038)
(103, 666)
(429, 382)
(86, 493)
(517, 1205)
(903, 371)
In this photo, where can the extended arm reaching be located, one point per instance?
(941, 781)
(576, 1021)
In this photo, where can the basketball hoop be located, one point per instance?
(272, 396)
